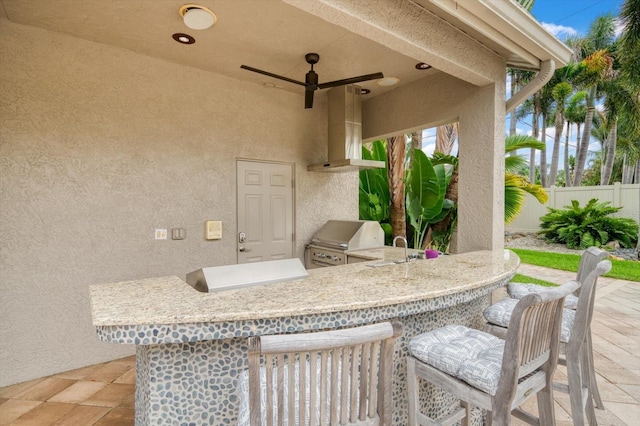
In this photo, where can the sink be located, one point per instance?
(392, 262)
(384, 263)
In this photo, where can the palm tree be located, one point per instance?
(630, 62)
(446, 137)
(629, 147)
(630, 42)
(574, 114)
(618, 101)
(527, 110)
(544, 110)
(396, 154)
(560, 93)
(597, 62)
(519, 78)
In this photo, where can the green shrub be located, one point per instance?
(582, 227)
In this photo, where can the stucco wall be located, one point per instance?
(98, 147)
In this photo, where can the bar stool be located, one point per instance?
(588, 262)
(490, 373)
(574, 340)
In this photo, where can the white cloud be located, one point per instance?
(619, 27)
(429, 148)
(560, 31)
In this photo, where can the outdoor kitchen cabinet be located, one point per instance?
(192, 346)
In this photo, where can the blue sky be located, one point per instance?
(561, 18)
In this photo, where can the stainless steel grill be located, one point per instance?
(329, 244)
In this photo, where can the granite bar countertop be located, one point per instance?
(170, 300)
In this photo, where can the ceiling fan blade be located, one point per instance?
(308, 98)
(351, 80)
(246, 67)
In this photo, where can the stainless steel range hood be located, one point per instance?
(345, 133)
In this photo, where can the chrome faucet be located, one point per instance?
(406, 243)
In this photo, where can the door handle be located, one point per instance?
(243, 250)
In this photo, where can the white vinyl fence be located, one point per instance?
(625, 196)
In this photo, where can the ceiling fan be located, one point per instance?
(311, 79)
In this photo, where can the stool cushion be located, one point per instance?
(520, 290)
(470, 355)
(500, 314)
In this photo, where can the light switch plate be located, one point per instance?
(178, 233)
(160, 234)
(213, 230)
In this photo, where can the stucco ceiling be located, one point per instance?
(275, 35)
(266, 34)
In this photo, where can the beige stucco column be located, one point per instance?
(481, 179)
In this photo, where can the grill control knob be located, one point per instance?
(334, 258)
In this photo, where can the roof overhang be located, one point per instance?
(504, 27)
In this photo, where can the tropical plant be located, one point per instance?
(426, 204)
(425, 188)
(373, 193)
(431, 192)
(515, 185)
(591, 225)
(440, 232)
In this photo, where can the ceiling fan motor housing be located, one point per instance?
(312, 58)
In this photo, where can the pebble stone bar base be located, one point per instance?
(192, 346)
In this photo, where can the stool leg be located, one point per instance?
(589, 408)
(575, 388)
(546, 409)
(412, 390)
(593, 384)
(467, 417)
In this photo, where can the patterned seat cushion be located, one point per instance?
(470, 355)
(520, 290)
(500, 314)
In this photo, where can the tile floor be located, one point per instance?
(103, 394)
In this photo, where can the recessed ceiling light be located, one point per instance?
(183, 38)
(197, 17)
(422, 66)
(364, 91)
(388, 81)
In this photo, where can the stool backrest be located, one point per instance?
(340, 375)
(588, 262)
(533, 338)
(584, 311)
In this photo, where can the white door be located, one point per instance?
(265, 211)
